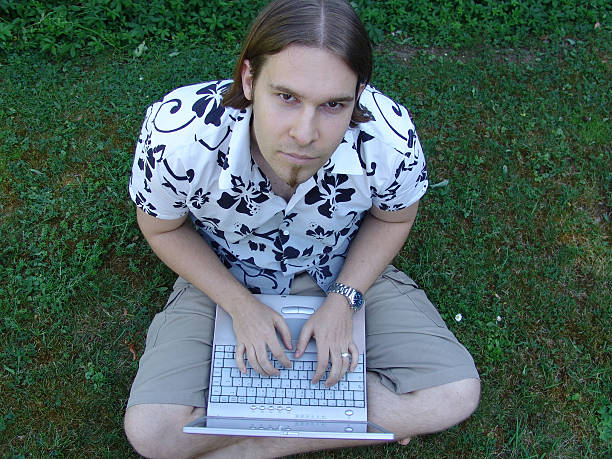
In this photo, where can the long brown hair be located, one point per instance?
(328, 24)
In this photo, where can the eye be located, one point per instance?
(286, 97)
(334, 106)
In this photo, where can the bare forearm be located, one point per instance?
(375, 245)
(185, 252)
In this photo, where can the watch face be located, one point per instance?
(357, 300)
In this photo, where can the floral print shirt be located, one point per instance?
(193, 156)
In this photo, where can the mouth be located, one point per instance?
(298, 159)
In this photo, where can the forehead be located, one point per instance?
(313, 73)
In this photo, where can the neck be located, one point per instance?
(280, 187)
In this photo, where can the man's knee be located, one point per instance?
(153, 430)
(466, 394)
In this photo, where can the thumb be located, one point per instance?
(283, 331)
(305, 334)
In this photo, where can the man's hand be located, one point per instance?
(255, 326)
(332, 328)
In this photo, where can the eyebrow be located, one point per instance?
(283, 89)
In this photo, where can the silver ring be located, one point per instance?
(345, 354)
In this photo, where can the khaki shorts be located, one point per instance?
(407, 343)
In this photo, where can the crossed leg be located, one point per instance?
(155, 431)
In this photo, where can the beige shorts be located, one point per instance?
(407, 343)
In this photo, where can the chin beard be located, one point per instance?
(292, 182)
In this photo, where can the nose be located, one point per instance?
(304, 129)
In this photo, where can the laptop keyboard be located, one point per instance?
(291, 388)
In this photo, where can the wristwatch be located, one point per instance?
(354, 297)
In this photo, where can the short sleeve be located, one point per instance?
(394, 153)
(404, 181)
(159, 182)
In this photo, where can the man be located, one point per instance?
(295, 177)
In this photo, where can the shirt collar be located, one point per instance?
(239, 150)
(344, 160)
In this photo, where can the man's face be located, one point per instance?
(303, 100)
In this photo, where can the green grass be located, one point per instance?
(520, 231)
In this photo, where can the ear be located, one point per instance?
(360, 90)
(247, 79)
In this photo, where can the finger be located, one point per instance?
(239, 356)
(264, 362)
(252, 358)
(284, 332)
(346, 362)
(322, 363)
(354, 356)
(335, 372)
(304, 338)
(279, 354)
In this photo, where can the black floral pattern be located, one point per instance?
(247, 195)
(330, 193)
(191, 158)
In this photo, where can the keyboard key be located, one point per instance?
(230, 363)
(228, 390)
(357, 386)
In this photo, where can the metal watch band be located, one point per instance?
(354, 297)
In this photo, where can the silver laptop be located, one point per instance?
(288, 405)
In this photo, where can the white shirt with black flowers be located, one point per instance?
(193, 156)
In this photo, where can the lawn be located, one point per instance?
(513, 235)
